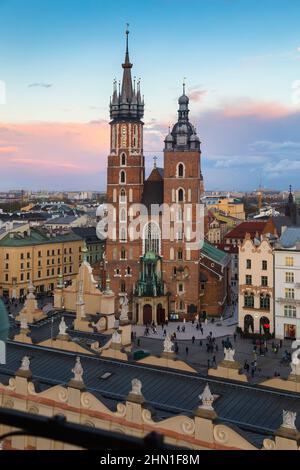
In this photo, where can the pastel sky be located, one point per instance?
(241, 60)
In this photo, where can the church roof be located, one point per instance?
(154, 188)
(157, 174)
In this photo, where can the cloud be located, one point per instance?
(247, 107)
(40, 85)
(197, 94)
(54, 155)
(242, 142)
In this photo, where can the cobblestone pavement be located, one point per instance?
(218, 329)
(197, 355)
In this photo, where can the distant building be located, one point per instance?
(256, 288)
(66, 222)
(94, 246)
(254, 228)
(227, 205)
(39, 257)
(216, 230)
(287, 284)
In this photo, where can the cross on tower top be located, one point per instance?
(155, 161)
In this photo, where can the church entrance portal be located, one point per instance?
(160, 314)
(147, 314)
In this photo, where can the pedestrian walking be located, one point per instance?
(186, 350)
(193, 339)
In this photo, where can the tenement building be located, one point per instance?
(39, 257)
(287, 284)
(256, 287)
(159, 272)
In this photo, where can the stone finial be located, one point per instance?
(25, 364)
(78, 371)
(168, 345)
(63, 327)
(207, 399)
(60, 283)
(229, 354)
(295, 364)
(288, 420)
(136, 387)
(24, 324)
(124, 309)
(116, 337)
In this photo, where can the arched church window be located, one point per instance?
(123, 253)
(152, 238)
(180, 170)
(122, 195)
(135, 136)
(113, 137)
(123, 159)
(128, 270)
(180, 195)
(122, 286)
(123, 215)
(122, 176)
(179, 254)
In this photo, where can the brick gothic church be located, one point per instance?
(160, 276)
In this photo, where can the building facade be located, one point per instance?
(256, 287)
(165, 264)
(38, 257)
(287, 284)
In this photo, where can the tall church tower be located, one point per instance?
(183, 187)
(125, 178)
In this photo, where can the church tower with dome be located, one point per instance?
(183, 188)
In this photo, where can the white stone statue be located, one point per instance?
(24, 324)
(295, 364)
(124, 308)
(168, 345)
(229, 354)
(206, 321)
(25, 365)
(136, 387)
(288, 419)
(78, 370)
(207, 399)
(63, 327)
(116, 337)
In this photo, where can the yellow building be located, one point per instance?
(39, 257)
(230, 206)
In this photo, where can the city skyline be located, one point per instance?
(58, 66)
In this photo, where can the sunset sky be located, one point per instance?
(241, 60)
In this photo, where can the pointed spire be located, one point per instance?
(128, 103)
(183, 85)
(127, 89)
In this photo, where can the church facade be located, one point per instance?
(159, 269)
